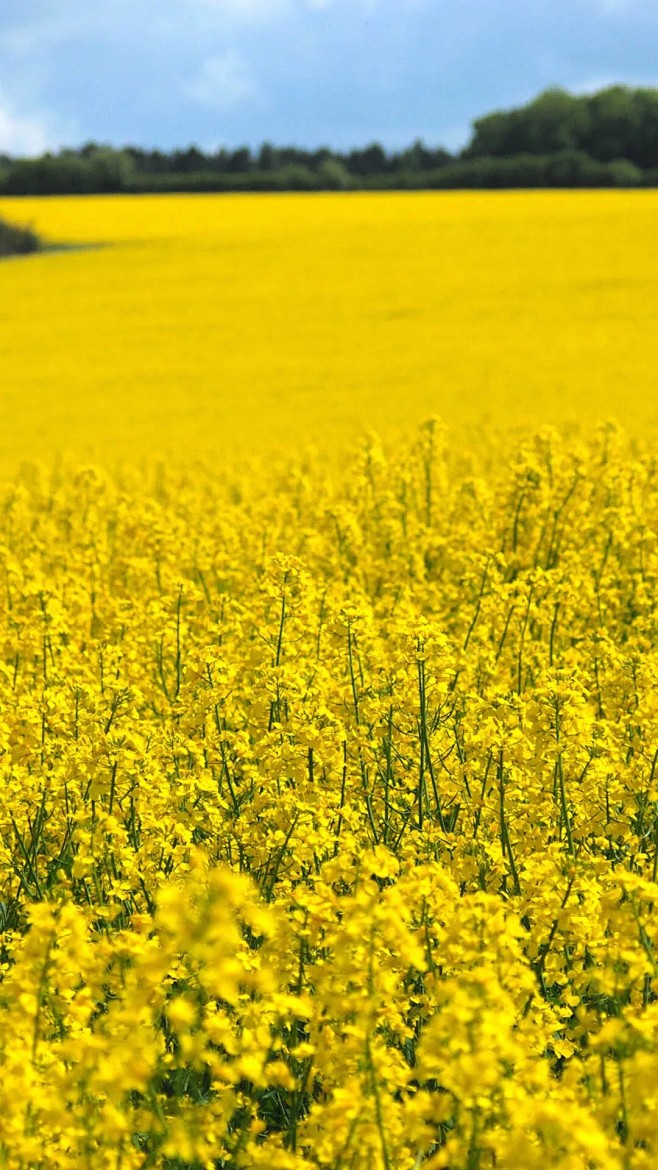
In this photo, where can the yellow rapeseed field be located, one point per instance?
(329, 787)
(218, 321)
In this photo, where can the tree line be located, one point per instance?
(606, 139)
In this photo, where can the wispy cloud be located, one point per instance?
(611, 7)
(224, 81)
(22, 133)
(26, 36)
(335, 71)
(246, 11)
(262, 11)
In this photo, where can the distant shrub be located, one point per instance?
(17, 241)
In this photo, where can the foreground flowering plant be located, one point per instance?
(329, 811)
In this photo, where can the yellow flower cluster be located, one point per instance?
(329, 811)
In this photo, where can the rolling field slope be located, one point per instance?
(209, 322)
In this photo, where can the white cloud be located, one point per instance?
(261, 11)
(367, 5)
(22, 133)
(610, 6)
(24, 40)
(247, 11)
(224, 81)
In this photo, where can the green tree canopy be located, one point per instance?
(615, 123)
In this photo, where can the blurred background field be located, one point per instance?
(201, 324)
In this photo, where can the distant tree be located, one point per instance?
(219, 162)
(147, 162)
(416, 158)
(419, 157)
(296, 177)
(616, 123)
(316, 158)
(188, 161)
(17, 241)
(110, 170)
(370, 161)
(645, 154)
(268, 157)
(49, 175)
(553, 121)
(94, 169)
(334, 175)
(620, 172)
(240, 160)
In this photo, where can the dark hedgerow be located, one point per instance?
(17, 241)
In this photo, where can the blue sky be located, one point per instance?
(340, 73)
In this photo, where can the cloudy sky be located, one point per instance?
(340, 73)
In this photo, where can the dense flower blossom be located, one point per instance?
(329, 815)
